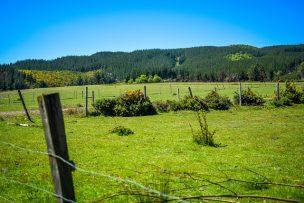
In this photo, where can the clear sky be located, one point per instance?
(47, 29)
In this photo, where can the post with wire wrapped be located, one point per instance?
(52, 119)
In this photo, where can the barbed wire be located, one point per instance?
(97, 173)
(6, 199)
(37, 188)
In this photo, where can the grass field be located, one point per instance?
(259, 144)
(73, 95)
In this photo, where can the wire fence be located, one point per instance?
(35, 187)
(74, 96)
(113, 178)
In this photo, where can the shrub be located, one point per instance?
(203, 136)
(105, 106)
(166, 106)
(162, 106)
(249, 98)
(133, 103)
(174, 105)
(193, 103)
(283, 101)
(122, 131)
(215, 101)
(292, 93)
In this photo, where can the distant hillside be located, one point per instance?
(208, 63)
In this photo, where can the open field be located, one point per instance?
(260, 145)
(71, 96)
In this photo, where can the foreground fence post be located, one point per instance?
(178, 96)
(145, 92)
(86, 101)
(24, 107)
(240, 98)
(278, 91)
(190, 92)
(52, 119)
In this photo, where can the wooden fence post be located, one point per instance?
(145, 92)
(278, 91)
(92, 97)
(178, 96)
(9, 99)
(240, 97)
(52, 119)
(24, 107)
(190, 92)
(86, 101)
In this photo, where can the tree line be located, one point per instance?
(208, 63)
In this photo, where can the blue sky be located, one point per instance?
(47, 29)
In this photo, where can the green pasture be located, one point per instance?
(259, 145)
(74, 95)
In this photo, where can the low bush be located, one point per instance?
(217, 102)
(249, 98)
(194, 103)
(131, 103)
(281, 102)
(122, 131)
(166, 106)
(105, 106)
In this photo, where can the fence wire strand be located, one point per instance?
(96, 173)
(37, 188)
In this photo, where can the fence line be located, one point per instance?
(97, 173)
(37, 188)
(6, 199)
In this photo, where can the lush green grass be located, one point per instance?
(259, 143)
(71, 96)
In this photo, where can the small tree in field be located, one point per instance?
(203, 136)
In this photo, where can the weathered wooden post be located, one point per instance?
(52, 119)
(278, 91)
(240, 97)
(92, 97)
(190, 92)
(24, 107)
(178, 96)
(86, 101)
(9, 99)
(145, 92)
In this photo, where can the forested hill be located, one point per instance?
(208, 63)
